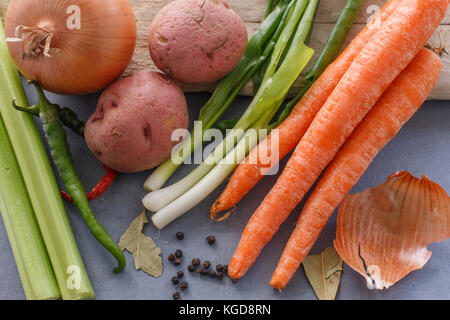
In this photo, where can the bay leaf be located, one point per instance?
(146, 254)
(128, 241)
(324, 273)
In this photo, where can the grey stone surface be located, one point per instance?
(421, 147)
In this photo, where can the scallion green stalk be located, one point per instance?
(285, 38)
(40, 182)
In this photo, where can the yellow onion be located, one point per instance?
(383, 233)
(71, 46)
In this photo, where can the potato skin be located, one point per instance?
(131, 129)
(197, 41)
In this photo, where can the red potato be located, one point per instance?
(197, 41)
(132, 126)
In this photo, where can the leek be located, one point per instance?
(40, 182)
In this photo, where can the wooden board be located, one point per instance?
(251, 12)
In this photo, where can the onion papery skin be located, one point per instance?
(385, 231)
(86, 59)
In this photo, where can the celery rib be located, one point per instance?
(33, 264)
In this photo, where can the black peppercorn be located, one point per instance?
(219, 276)
(180, 235)
(196, 262)
(178, 253)
(184, 285)
(176, 295)
(212, 274)
(171, 257)
(225, 268)
(177, 261)
(191, 268)
(206, 264)
(175, 280)
(211, 239)
(180, 274)
(219, 268)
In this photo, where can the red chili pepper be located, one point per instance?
(99, 189)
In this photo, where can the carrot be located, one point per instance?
(390, 50)
(397, 105)
(290, 132)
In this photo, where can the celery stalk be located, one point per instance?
(42, 188)
(33, 264)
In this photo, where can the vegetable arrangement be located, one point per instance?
(59, 148)
(291, 130)
(394, 46)
(397, 105)
(259, 48)
(175, 200)
(43, 194)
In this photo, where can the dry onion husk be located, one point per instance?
(383, 233)
(71, 46)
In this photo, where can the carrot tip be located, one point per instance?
(215, 212)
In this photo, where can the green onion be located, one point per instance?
(271, 4)
(175, 200)
(35, 270)
(328, 54)
(259, 74)
(40, 182)
(214, 178)
(259, 48)
(295, 14)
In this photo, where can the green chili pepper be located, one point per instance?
(67, 116)
(57, 139)
(70, 120)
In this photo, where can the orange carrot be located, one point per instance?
(397, 105)
(253, 169)
(382, 59)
